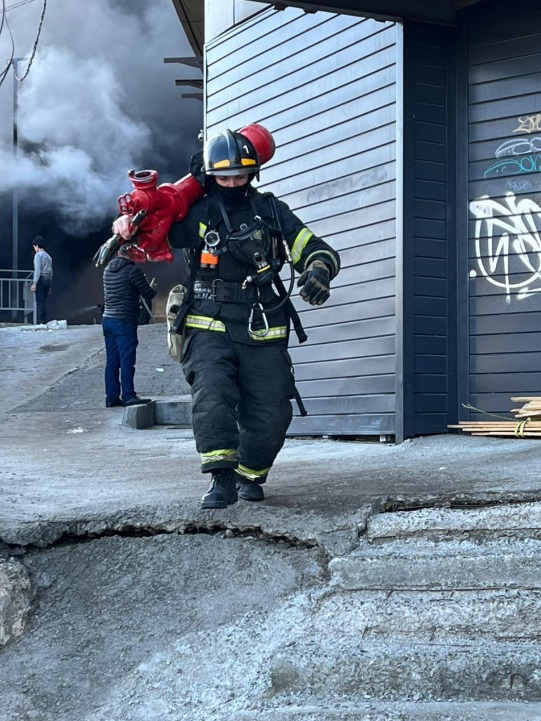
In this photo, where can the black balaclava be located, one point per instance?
(230, 196)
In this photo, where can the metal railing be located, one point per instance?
(17, 302)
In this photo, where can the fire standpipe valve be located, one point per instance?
(154, 208)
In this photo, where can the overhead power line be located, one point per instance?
(4, 21)
(16, 5)
(4, 72)
(36, 41)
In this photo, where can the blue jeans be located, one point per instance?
(43, 288)
(120, 346)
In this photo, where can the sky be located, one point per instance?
(98, 100)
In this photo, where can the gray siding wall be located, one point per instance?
(325, 86)
(505, 203)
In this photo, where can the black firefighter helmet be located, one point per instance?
(230, 153)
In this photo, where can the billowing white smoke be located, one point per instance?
(82, 142)
(97, 96)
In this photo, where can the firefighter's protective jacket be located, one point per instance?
(220, 304)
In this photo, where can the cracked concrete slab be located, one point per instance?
(147, 608)
(107, 608)
(66, 467)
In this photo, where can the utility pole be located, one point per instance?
(15, 195)
(15, 203)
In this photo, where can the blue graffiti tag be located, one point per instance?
(515, 166)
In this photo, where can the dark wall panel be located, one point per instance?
(504, 258)
(325, 86)
(428, 236)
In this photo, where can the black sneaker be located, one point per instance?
(136, 401)
(222, 492)
(250, 491)
(114, 403)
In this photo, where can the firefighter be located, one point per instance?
(236, 241)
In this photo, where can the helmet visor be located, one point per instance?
(223, 167)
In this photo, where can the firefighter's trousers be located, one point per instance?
(241, 407)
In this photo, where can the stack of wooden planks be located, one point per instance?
(526, 422)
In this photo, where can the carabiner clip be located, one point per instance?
(260, 332)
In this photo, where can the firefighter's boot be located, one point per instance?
(250, 490)
(222, 491)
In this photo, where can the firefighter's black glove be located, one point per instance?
(196, 167)
(316, 283)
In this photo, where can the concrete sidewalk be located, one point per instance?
(70, 463)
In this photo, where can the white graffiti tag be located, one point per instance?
(508, 244)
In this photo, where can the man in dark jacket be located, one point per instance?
(236, 241)
(124, 284)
